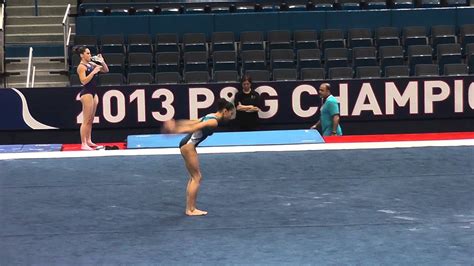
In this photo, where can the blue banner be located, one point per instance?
(284, 102)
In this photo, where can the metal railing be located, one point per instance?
(31, 71)
(2, 41)
(33, 77)
(2, 16)
(66, 36)
(36, 8)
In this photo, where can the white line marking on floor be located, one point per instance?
(240, 149)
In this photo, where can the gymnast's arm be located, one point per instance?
(81, 72)
(185, 122)
(186, 127)
(103, 65)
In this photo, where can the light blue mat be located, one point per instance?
(273, 137)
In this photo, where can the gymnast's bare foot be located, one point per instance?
(195, 212)
(95, 146)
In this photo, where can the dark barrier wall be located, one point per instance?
(284, 102)
(208, 23)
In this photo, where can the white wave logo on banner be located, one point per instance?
(27, 117)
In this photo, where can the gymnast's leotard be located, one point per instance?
(89, 88)
(200, 135)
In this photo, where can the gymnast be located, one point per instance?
(198, 131)
(87, 71)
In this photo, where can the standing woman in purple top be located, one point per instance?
(87, 71)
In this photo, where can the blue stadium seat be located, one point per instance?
(226, 76)
(312, 74)
(90, 41)
(448, 54)
(305, 39)
(253, 60)
(341, 73)
(470, 57)
(168, 78)
(359, 37)
(426, 70)
(415, 35)
(285, 74)
(112, 44)
(364, 56)
(251, 40)
(115, 62)
(279, 39)
(428, 3)
(321, 5)
(368, 72)
(453, 3)
(336, 57)
(167, 62)
(139, 43)
(397, 72)
(140, 63)
(402, 4)
(419, 54)
(442, 34)
(223, 41)
(376, 4)
(166, 42)
(194, 42)
(387, 36)
(195, 61)
(349, 4)
(466, 36)
(391, 56)
(332, 38)
(282, 58)
(455, 70)
(308, 58)
(224, 60)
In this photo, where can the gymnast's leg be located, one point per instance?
(188, 151)
(87, 120)
(89, 133)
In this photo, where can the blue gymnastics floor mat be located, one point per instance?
(41, 147)
(29, 148)
(248, 138)
(10, 148)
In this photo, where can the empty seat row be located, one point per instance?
(118, 79)
(169, 42)
(151, 7)
(421, 70)
(280, 39)
(368, 72)
(285, 58)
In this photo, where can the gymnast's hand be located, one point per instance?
(100, 59)
(168, 127)
(97, 69)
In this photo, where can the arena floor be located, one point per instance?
(325, 204)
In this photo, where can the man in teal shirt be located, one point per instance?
(329, 119)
